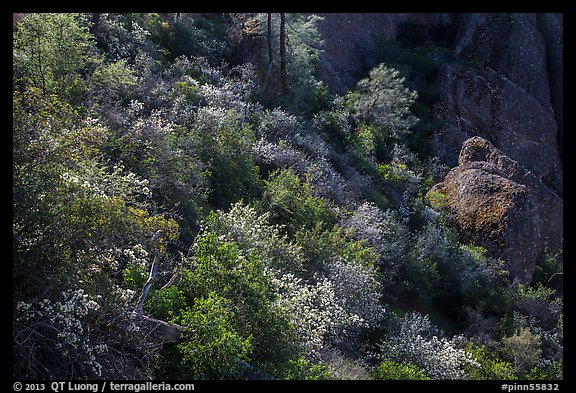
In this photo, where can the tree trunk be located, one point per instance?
(95, 23)
(270, 53)
(153, 271)
(146, 288)
(283, 76)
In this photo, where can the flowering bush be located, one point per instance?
(384, 233)
(312, 308)
(53, 334)
(255, 234)
(418, 342)
(339, 294)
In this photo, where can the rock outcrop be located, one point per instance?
(507, 89)
(499, 204)
(485, 103)
(349, 43)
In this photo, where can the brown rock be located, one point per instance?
(503, 207)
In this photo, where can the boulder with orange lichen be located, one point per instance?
(502, 206)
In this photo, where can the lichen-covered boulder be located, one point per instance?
(502, 206)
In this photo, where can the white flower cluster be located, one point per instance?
(65, 318)
(331, 308)
(96, 181)
(125, 185)
(124, 296)
(285, 141)
(231, 91)
(418, 342)
(325, 308)
(311, 143)
(313, 309)
(137, 256)
(181, 110)
(280, 155)
(253, 232)
(212, 119)
(383, 232)
(358, 291)
(433, 243)
(225, 98)
(277, 124)
(327, 183)
(152, 126)
(201, 65)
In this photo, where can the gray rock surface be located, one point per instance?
(486, 103)
(349, 39)
(510, 92)
(499, 204)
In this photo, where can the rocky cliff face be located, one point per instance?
(348, 43)
(512, 96)
(498, 204)
(504, 85)
(508, 97)
(486, 103)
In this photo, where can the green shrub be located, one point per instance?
(242, 284)
(491, 366)
(523, 349)
(51, 51)
(224, 144)
(213, 347)
(291, 202)
(384, 101)
(391, 370)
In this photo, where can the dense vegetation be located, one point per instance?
(290, 230)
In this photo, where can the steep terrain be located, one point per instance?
(502, 206)
(502, 83)
(507, 96)
(349, 43)
(287, 196)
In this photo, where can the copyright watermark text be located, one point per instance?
(100, 387)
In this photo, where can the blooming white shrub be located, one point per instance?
(312, 308)
(95, 180)
(223, 97)
(325, 308)
(64, 327)
(278, 154)
(358, 291)
(327, 183)
(383, 232)
(329, 309)
(254, 233)
(418, 342)
(433, 243)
